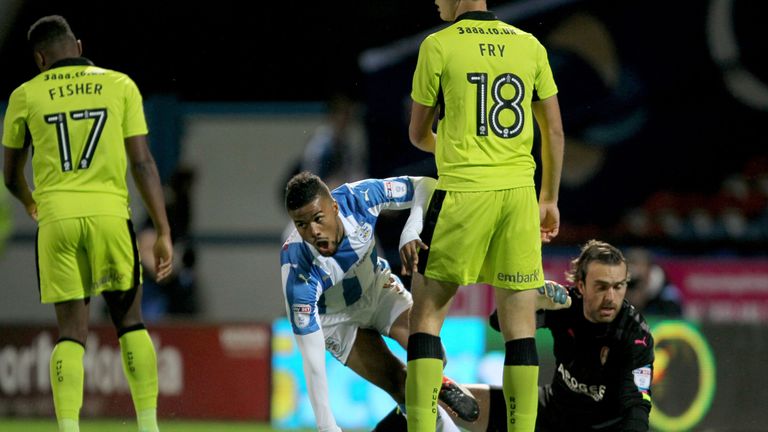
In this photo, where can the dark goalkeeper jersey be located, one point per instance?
(602, 371)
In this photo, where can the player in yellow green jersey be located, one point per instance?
(487, 82)
(86, 125)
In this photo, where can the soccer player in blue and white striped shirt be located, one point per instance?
(341, 296)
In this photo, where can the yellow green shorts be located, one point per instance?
(81, 257)
(490, 237)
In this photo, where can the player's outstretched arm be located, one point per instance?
(312, 348)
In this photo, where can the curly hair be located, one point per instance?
(302, 189)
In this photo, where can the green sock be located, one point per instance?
(422, 387)
(140, 367)
(521, 393)
(67, 373)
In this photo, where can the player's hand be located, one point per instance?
(549, 215)
(409, 256)
(32, 210)
(163, 251)
(553, 296)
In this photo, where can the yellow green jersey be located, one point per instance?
(76, 116)
(483, 74)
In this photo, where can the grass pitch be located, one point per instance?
(37, 425)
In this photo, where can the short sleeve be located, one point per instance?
(15, 122)
(426, 77)
(545, 82)
(134, 122)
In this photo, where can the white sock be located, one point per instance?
(68, 425)
(147, 420)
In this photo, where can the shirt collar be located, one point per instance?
(477, 15)
(72, 61)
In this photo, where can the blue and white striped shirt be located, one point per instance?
(314, 284)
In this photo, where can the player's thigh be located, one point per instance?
(113, 254)
(387, 311)
(517, 312)
(377, 309)
(62, 264)
(339, 332)
(372, 360)
(514, 254)
(459, 226)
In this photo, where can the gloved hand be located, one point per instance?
(553, 296)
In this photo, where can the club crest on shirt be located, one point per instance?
(301, 314)
(364, 232)
(395, 189)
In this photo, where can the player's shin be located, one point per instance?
(423, 382)
(140, 368)
(67, 383)
(521, 375)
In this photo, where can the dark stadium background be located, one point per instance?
(692, 134)
(671, 133)
(224, 50)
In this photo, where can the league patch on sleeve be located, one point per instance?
(643, 378)
(301, 315)
(395, 189)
